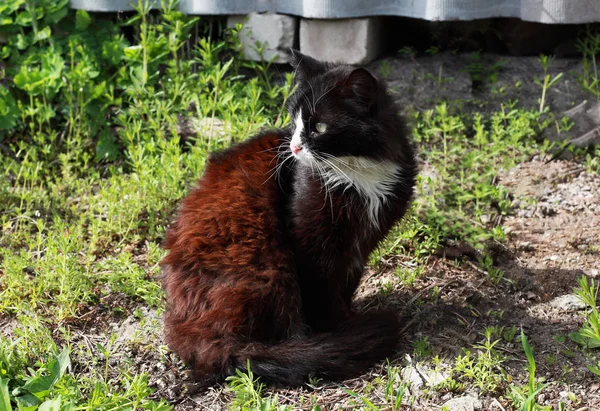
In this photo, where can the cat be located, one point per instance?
(267, 251)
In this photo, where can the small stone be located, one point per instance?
(466, 403)
(531, 296)
(547, 210)
(526, 246)
(484, 219)
(568, 302)
(418, 376)
(411, 376)
(160, 384)
(446, 396)
(594, 272)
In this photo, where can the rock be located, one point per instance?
(277, 32)
(348, 41)
(411, 376)
(567, 302)
(126, 331)
(418, 376)
(594, 272)
(526, 246)
(466, 403)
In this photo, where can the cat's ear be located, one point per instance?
(306, 66)
(361, 84)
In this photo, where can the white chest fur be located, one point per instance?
(373, 180)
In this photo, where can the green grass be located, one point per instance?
(93, 167)
(95, 170)
(525, 398)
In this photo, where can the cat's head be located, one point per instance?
(338, 111)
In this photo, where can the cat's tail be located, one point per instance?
(345, 353)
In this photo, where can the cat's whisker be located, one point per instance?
(277, 148)
(310, 108)
(350, 166)
(328, 191)
(269, 150)
(339, 170)
(313, 97)
(298, 65)
(324, 186)
(327, 181)
(282, 150)
(307, 101)
(275, 171)
(322, 95)
(278, 170)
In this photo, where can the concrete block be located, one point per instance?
(277, 32)
(348, 41)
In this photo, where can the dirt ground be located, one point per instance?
(552, 242)
(553, 239)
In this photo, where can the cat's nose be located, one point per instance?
(295, 148)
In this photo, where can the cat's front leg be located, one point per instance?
(324, 304)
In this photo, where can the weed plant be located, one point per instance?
(547, 81)
(104, 121)
(525, 398)
(93, 164)
(589, 46)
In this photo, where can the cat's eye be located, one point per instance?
(321, 127)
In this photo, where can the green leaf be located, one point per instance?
(98, 90)
(583, 340)
(40, 386)
(593, 369)
(107, 148)
(56, 12)
(82, 20)
(27, 400)
(132, 52)
(576, 337)
(9, 112)
(62, 363)
(113, 50)
(529, 353)
(22, 42)
(30, 81)
(366, 401)
(4, 397)
(51, 405)
(43, 34)
(24, 18)
(528, 350)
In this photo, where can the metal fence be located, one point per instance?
(544, 11)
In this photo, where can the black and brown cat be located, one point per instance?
(268, 250)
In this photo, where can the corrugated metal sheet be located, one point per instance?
(544, 11)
